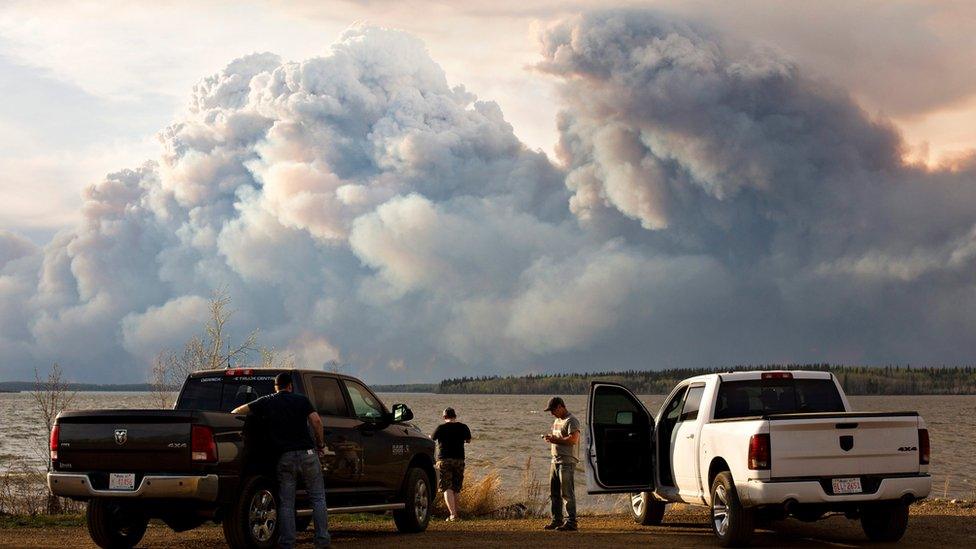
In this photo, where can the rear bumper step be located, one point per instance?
(196, 487)
(357, 509)
(894, 487)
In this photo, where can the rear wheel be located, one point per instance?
(418, 496)
(885, 521)
(252, 522)
(646, 510)
(731, 522)
(115, 525)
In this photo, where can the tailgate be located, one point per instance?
(831, 445)
(129, 441)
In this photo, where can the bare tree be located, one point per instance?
(51, 396)
(220, 352)
(273, 358)
(210, 350)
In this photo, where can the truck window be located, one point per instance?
(757, 397)
(692, 403)
(328, 397)
(366, 406)
(223, 393)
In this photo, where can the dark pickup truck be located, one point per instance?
(198, 462)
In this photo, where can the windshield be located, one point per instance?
(223, 393)
(758, 397)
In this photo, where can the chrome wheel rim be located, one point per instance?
(637, 504)
(421, 500)
(263, 515)
(720, 510)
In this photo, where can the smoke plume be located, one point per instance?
(713, 204)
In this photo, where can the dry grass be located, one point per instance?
(23, 491)
(486, 496)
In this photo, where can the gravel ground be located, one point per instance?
(933, 523)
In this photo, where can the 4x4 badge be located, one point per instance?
(121, 435)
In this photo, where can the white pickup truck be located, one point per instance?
(755, 447)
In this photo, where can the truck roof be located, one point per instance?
(757, 374)
(269, 371)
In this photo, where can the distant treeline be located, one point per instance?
(856, 380)
(17, 386)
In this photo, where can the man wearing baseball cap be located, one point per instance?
(564, 441)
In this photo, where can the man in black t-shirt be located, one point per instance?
(451, 436)
(291, 415)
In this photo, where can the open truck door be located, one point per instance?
(620, 434)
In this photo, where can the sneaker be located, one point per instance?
(552, 526)
(452, 518)
(567, 527)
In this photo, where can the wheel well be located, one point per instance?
(424, 462)
(718, 465)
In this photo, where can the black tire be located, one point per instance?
(418, 495)
(732, 523)
(115, 525)
(252, 521)
(646, 510)
(885, 521)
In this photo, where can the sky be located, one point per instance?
(424, 189)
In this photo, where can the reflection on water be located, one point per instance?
(507, 429)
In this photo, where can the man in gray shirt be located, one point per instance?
(564, 439)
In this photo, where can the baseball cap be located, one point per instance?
(554, 403)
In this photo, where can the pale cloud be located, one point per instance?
(715, 202)
(906, 59)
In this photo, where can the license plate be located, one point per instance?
(121, 481)
(847, 485)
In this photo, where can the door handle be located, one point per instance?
(690, 436)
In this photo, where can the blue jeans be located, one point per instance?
(290, 466)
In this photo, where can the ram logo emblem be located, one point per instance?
(846, 443)
(121, 436)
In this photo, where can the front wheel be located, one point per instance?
(731, 522)
(885, 521)
(418, 496)
(114, 525)
(646, 510)
(252, 521)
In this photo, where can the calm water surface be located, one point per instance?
(507, 431)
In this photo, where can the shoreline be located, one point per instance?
(933, 522)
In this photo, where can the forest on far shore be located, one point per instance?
(856, 380)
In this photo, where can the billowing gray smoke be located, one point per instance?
(716, 206)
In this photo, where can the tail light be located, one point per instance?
(202, 445)
(759, 455)
(924, 449)
(55, 437)
(777, 375)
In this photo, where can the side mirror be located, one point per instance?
(401, 413)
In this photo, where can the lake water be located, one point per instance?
(507, 429)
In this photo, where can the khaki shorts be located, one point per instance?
(450, 474)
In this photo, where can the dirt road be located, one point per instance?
(932, 524)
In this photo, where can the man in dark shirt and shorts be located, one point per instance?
(291, 415)
(451, 436)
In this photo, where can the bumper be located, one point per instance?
(77, 485)
(758, 492)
